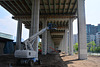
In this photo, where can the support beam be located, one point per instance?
(9, 7)
(59, 6)
(82, 47)
(49, 5)
(19, 32)
(23, 5)
(70, 37)
(35, 23)
(69, 6)
(64, 6)
(57, 33)
(54, 6)
(14, 6)
(44, 6)
(28, 4)
(44, 39)
(56, 16)
(74, 6)
(19, 6)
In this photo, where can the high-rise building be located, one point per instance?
(75, 39)
(91, 29)
(98, 39)
(93, 38)
(98, 27)
(91, 32)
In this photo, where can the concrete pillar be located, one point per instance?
(19, 32)
(70, 37)
(52, 45)
(82, 42)
(63, 43)
(35, 22)
(49, 44)
(44, 39)
(66, 41)
(59, 46)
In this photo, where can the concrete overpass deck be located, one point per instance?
(37, 14)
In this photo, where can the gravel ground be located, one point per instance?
(72, 61)
(54, 60)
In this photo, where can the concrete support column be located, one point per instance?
(49, 42)
(19, 32)
(63, 43)
(70, 37)
(59, 46)
(52, 45)
(35, 23)
(66, 41)
(82, 42)
(44, 39)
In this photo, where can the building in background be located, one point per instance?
(93, 38)
(6, 44)
(91, 29)
(98, 39)
(75, 38)
(91, 32)
(98, 27)
(88, 38)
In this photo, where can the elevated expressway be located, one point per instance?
(37, 14)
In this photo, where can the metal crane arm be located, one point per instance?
(29, 42)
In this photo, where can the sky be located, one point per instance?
(9, 25)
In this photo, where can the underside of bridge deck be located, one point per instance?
(61, 13)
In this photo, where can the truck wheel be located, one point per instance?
(31, 63)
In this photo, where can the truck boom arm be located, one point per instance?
(29, 42)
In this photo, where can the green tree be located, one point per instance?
(39, 45)
(91, 46)
(97, 49)
(76, 46)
